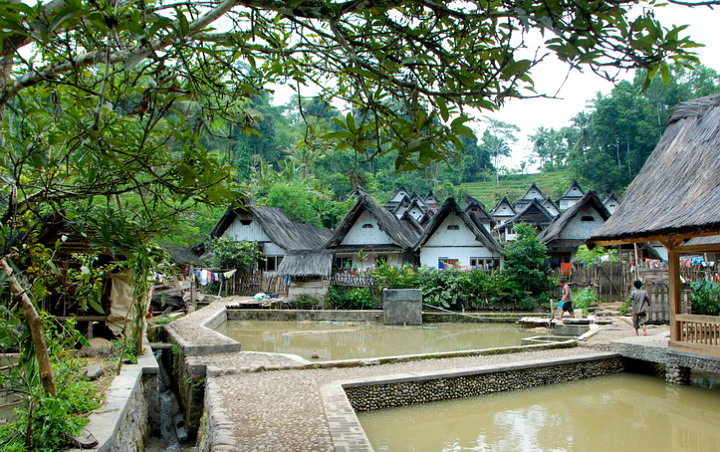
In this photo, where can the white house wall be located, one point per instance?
(578, 229)
(565, 204)
(246, 233)
(458, 244)
(357, 235)
(533, 194)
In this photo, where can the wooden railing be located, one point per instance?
(346, 279)
(697, 334)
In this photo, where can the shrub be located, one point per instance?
(352, 298)
(583, 298)
(393, 277)
(705, 298)
(228, 253)
(305, 301)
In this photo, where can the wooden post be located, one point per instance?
(637, 261)
(674, 288)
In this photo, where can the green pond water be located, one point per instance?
(347, 340)
(627, 412)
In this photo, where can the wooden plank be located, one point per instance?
(674, 292)
(698, 349)
(693, 318)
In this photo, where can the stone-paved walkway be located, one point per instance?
(282, 410)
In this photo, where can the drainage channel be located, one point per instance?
(173, 435)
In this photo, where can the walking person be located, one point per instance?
(640, 303)
(566, 299)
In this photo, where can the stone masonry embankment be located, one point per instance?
(399, 391)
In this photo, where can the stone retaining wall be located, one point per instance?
(300, 315)
(131, 408)
(216, 429)
(373, 395)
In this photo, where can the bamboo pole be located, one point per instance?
(35, 323)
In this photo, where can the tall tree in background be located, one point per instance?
(497, 141)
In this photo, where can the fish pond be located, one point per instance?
(625, 412)
(355, 340)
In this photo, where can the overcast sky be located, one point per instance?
(529, 114)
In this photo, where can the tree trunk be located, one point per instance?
(35, 323)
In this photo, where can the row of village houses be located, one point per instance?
(415, 230)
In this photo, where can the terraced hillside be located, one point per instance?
(552, 183)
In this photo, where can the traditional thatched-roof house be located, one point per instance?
(573, 227)
(369, 234)
(476, 207)
(417, 210)
(272, 230)
(551, 207)
(674, 198)
(533, 214)
(455, 238)
(431, 201)
(572, 195)
(503, 211)
(533, 193)
(611, 202)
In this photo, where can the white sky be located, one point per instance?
(579, 88)
(529, 114)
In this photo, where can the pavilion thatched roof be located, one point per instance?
(306, 263)
(677, 192)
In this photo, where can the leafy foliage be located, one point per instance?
(584, 255)
(705, 297)
(352, 298)
(526, 262)
(228, 253)
(583, 298)
(395, 277)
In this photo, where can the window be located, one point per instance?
(446, 262)
(587, 218)
(271, 263)
(245, 222)
(453, 227)
(367, 226)
(484, 263)
(342, 263)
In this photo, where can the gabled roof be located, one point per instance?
(474, 224)
(551, 207)
(410, 221)
(306, 263)
(678, 189)
(558, 226)
(473, 205)
(527, 193)
(534, 213)
(402, 234)
(611, 197)
(285, 233)
(497, 206)
(399, 194)
(574, 191)
(430, 198)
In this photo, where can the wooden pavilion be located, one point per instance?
(674, 198)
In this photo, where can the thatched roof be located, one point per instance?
(551, 207)
(306, 263)
(471, 221)
(500, 203)
(412, 222)
(534, 214)
(402, 234)
(573, 192)
(528, 197)
(181, 255)
(677, 192)
(558, 226)
(285, 233)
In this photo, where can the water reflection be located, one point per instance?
(617, 413)
(344, 340)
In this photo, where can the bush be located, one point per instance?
(393, 277)
(305, 301)
(705, 298)
(352, 298)
(583, 298)
(228, 253)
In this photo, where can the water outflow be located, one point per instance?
(173, 434)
